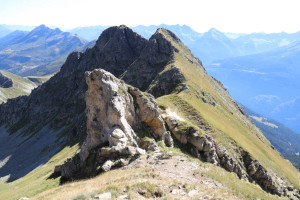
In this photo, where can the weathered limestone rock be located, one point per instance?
(110, 112)
(150, 114)
(114, 112)
(104, 196)
(107, 165)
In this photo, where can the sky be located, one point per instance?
(237, 16)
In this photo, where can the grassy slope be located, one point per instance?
(38, 180)
(39, 79)
(225, 125)
(21, 86)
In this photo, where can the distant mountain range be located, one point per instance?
(6, 29)
(209, 46)
(267, 82)
(23, 52)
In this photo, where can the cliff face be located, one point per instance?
(148, 71)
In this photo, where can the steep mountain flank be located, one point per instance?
(63, 95)
(12, 86)
(286, 141)
(193, 112)
(149, 72)
(59, 104)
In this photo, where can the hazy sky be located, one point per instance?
(225, 15)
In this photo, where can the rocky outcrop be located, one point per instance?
(5, 82)
(149, 113)
(115, 112)
(110, 112)
(145, 71)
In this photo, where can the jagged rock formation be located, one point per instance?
(62, 98)
(147, 72)
(5, 82)
(115, 112)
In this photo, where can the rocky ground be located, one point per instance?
(155, 175)
(177, 179)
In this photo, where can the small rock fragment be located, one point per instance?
(107, 166)
(104, 196)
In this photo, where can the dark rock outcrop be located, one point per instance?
(5, 82)
(148, 68)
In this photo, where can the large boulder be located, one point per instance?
(115, 112)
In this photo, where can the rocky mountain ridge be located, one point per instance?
(205, 118)
(115, 113)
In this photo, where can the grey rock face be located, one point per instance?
(107, 165)
(5, 82)
(114, 112)
(155, 56)
(110, 112)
